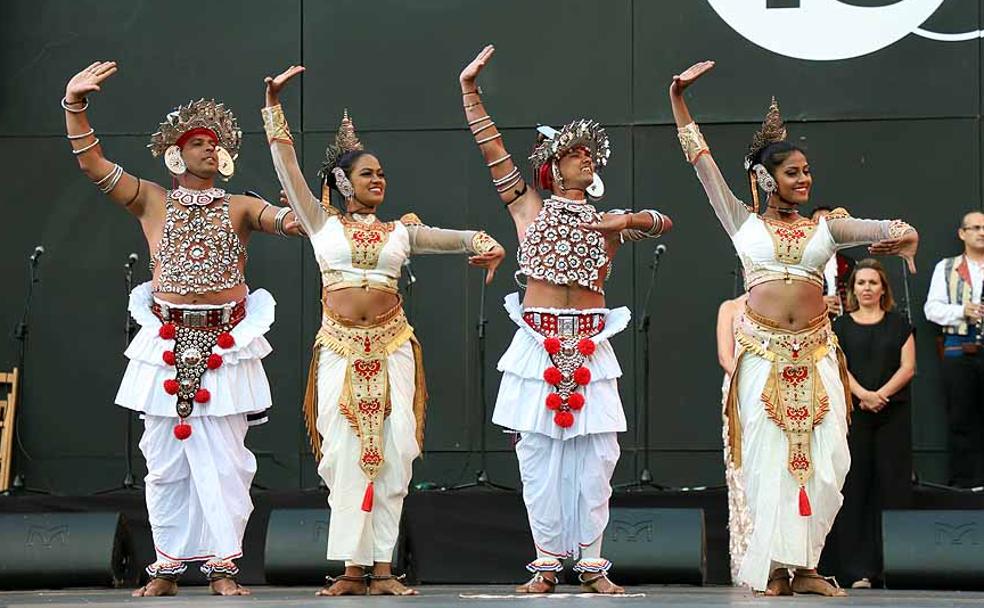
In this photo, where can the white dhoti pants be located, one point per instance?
(197, 490)
(780, 536)
(566, 488)
(356, 536)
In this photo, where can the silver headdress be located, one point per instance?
(204, 113)
(586, 133)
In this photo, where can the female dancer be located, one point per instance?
(366, 393)
(787, 409)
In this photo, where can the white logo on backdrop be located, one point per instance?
(827, 30)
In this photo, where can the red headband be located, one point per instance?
(196, 131)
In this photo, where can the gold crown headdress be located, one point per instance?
(586, 133)
(345, 141)
(201, 114)
(773, 130)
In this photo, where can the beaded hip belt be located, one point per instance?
(195, 332)
(568, 325)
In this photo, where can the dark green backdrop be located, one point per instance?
(894, 133)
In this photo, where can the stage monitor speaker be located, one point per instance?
(656, 545)
(54, 550)
(933, 549)
(296, 545)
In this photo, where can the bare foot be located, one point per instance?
(542, 582)
(778, 586)
(600, 584)
(157, 587)
(343, 587)
(807, 581)
(227, 586)
(389, 586)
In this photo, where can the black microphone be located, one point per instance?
(660, 250)
(131, 260)
(412, 279)
(38, 252)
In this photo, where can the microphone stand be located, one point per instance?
(21, 333)
(129, 329)
(481, 476)
(645, 479)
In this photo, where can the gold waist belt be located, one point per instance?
(365, 397)
(794, 396)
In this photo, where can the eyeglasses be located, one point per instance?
(975, 228)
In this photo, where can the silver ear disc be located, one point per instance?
(597, 188)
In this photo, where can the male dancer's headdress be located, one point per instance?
(345, 141)
(773, 130)
(551, 144)
(202, 117)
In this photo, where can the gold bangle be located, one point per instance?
(692, 142)
(275, 124)
(482, 243)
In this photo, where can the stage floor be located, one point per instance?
(441, 596)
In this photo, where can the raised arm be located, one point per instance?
(731, 211)
(523, 202)
(127, 191)
(306, 206)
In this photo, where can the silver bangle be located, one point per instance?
(483, 128)
(108, 175)
(278, 221)
(81, 135)
(85, 106)
(85, 149)
(117, 175)
(478, 120)
(488, 139)
(657, 228)
(505, 187)
(498, 161)
(505, 178)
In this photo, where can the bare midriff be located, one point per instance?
(544, 294)
(790, 305)
(360, 305)
(223, 296)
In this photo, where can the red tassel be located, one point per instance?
(367, 499)
(805, 509)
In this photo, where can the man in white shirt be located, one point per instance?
(954, 303)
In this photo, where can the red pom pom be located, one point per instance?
(576, 401)
(552, 375)
(214, 361)
(182, 430)
(551, 345)
(564, 419)
(582, 375)
(169, 357)
(554, 401)
(225, 340)
(586, 347)
(171, 386)
(202, 395)
(167, 331)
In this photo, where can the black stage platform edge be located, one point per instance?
(712, 501)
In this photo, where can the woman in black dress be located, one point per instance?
(881, 358)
